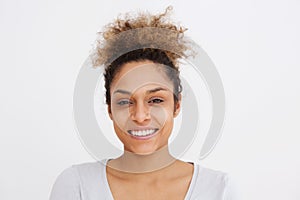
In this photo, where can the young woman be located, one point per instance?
(143, 94)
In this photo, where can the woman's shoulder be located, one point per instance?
(211, 174)
(74, 181)
(81, 170)
(88, 167)
(213, 184)
(85, 172)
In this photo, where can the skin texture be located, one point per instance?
(149, 104)
(171, 182)
(142, 98)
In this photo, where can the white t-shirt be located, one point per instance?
(88, 181)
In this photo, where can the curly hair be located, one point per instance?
(138, 38)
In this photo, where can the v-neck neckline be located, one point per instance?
(187, 195)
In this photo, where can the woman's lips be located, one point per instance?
(143, 134)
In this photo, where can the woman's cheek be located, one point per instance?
(159, 114)
(121, 117)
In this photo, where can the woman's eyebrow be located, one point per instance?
(156, 90)
(122, 92)
(148, 91)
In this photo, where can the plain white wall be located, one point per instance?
(254, 44)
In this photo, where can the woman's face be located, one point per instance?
(142, 107)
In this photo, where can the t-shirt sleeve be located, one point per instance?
(231, 192)
(66, 186)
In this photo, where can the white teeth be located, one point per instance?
(142, 132)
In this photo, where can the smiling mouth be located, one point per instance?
(143, 133)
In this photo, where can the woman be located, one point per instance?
(143, 94)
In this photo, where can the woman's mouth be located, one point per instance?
(143, 134)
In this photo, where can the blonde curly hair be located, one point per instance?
(129, 32)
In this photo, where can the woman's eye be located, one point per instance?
(123, 102)
(156, 101)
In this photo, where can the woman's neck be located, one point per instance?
(130, 162)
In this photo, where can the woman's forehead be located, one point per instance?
(133, 76)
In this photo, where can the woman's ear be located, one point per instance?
(109, 112)
(177, 106)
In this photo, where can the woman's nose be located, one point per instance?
(140, 112)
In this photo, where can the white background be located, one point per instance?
(254, 44)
